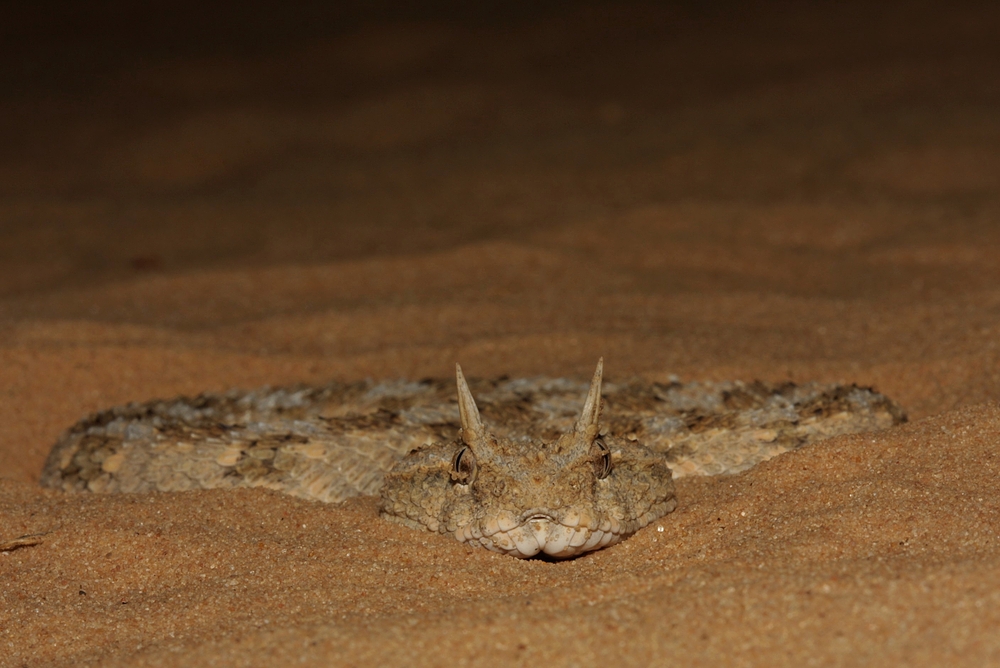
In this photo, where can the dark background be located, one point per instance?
(170, 136)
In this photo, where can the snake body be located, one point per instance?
(520, 470)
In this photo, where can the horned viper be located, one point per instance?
(530, 474)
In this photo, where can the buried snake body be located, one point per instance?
(530, 475)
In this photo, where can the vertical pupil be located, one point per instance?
(602, 465)
(463, 466)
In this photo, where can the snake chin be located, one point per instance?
(541, 533)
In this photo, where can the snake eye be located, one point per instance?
(601, 454)
(463, 467)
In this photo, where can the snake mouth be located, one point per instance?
(540, 517)
(541, 533)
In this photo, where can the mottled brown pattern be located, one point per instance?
(337, 441)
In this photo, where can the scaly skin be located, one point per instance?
(578, 493)
(543, 477)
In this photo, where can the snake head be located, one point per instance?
(561, 498)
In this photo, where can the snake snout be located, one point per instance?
(542, 532)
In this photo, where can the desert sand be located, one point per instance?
(204, 196)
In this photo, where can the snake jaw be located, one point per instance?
(539, 533)
(544, 534)
(559, 535)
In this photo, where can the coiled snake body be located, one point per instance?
(529, 474)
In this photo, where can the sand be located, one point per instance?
(197, 198)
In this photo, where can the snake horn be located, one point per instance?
(472, 424)
(588, 422)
